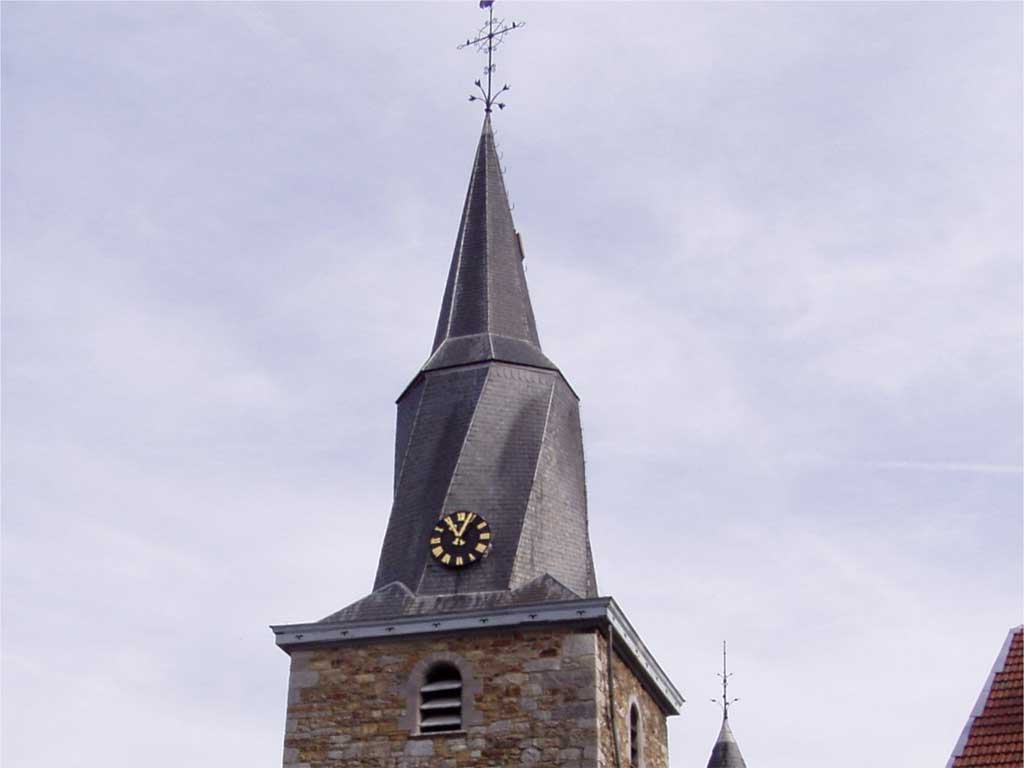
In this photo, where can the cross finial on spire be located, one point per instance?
(725, 701)
(487, 39)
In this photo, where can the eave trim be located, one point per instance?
(602, 610)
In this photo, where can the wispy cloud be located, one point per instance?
(910, 465)
(933, 466)
(775, 248)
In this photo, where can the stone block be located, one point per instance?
(419, 748)
(578, 644)
(303, 678)
(539, 664)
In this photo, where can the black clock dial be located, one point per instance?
(460, 539)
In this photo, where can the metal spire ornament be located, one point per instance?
(725, 701)
(487, 39)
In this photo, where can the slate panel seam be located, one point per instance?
(487, 252)
(461, 250)
(412, 432)
(533, 481)
(462, 452)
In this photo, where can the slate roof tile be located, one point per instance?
(726, 752)
(486, 303)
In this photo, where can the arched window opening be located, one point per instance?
(441, 700)
(634, 736)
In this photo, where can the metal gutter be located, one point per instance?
(643, 660)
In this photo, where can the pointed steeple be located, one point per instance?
(489, 426)
(726, 753)
(486, 312)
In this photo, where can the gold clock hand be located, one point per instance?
(451, 526)
(465, 525)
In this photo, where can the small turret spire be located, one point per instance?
(726, 752)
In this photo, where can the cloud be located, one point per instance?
(776, 249)
(1008, 469)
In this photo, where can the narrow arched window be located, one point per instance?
(634, 736)
(441, 700)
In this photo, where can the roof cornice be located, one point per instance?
(602, 611)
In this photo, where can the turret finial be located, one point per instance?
(725, 701)
(487, 39)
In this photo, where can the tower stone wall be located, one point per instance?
(628, 691)
(533, 698)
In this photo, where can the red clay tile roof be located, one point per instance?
(994, 734)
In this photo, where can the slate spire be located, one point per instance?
(490, 426)
(726, 752)
(486, 312)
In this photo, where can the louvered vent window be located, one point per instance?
(441, 700)
(634, 736)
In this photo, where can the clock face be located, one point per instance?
(460, 539)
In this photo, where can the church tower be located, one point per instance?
(484, 641)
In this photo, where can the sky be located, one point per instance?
(775, 248)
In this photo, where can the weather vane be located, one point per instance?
(487, 39)
(725, 675)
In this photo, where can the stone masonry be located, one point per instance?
(533, 697)
(628, 690)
